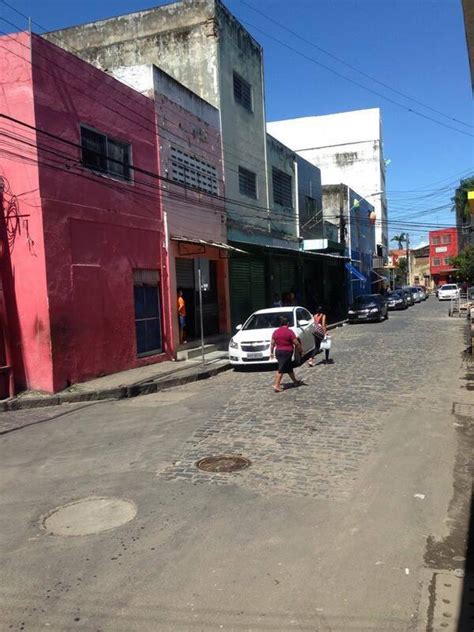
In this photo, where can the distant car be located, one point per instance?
(415, 294)
(368, 307)
(408, 295)
(448, 291)
(397, 300)
(251, 343)
(421, 294)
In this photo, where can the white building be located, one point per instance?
(348, 149)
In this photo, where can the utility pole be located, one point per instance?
(408, 260)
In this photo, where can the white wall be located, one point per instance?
(347, 147)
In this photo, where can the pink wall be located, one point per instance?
(442, 251)
(96, 229)
(28, 304)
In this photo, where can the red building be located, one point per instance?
(78, 156)
(443, 247)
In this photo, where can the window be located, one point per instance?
(435, 240)
(310, 206)
(147, 312)
(436, 262)
(447, 261)
(446, 239)
(105, 155)
(242, 92)
(248, 183)
(193, 172)
(282, 188)
(303, 314)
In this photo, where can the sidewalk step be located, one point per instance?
(195, 352)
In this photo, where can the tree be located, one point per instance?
(459, 200)
(464, 263)
(401, 238)
(401, 272)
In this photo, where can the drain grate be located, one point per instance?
(224, 463)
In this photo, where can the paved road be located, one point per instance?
(322, 532)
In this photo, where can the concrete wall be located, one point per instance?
(284, 221)
(309, 198)
(199, 43)
(97, 230)
(348, 148)
(28, 299)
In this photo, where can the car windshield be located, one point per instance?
(268, 320)
(366, 299)
(396, 295)
(449, 287)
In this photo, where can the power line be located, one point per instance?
(352, 67)
(357, 83)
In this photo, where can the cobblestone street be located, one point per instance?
(312, 440)
(354, 502)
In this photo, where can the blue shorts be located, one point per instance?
(182, 321)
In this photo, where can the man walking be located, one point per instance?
(182, 317)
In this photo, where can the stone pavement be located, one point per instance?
(312, 440)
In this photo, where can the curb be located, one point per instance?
(121, 392)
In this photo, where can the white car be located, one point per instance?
(251, 343)
(448, 291)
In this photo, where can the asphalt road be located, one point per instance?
(340, 522)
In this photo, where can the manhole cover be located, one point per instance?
(88, 516)
(223, 463)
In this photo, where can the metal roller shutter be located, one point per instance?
(247, 288)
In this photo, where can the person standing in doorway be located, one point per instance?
(319, 333)
(182, 317)
(284, 342)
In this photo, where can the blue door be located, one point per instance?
(147, 319)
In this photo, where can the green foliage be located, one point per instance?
(459, 200)
(401, 239)
(464, 263)
(401, 272)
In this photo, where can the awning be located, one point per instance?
(204, 242)
(355, 272)
(380, 277)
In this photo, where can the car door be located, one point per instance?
(305, 332)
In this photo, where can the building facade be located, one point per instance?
(192, 182)
(202, 45)
(347, 147)
(89, 282)
(443, 247)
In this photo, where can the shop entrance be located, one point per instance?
(187, 280)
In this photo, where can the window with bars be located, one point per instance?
(105, 155)
(282, 188)
(446, 239)
(436, 240)
(248, 183)
(193, 172)
(242, 92)
(436, 262)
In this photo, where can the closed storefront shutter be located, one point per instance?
(247, 288)
(185, 273)
(284, 275)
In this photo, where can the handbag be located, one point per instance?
(326, 343)
(318, 331)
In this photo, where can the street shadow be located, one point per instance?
(466, 616)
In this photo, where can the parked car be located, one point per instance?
(421, 294)
(408, 295)
(448, 291)
(251, 343)
(368, 307)
(414, 293)
(397, 300)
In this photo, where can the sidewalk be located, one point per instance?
(131, 383)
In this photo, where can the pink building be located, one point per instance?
(443, 248)
(195, 218)
(90, 293)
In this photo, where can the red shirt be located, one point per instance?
(283, 338)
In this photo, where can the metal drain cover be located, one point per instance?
(224, 463)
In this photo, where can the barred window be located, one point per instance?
(436, 240)
(242, 92)
(282, 188)
(446, 239)
(248, 183)
(193, 172)
(436, 262)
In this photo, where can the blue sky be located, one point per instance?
(417, 47)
